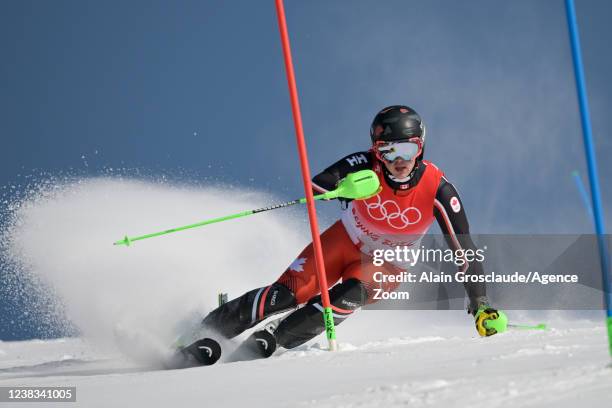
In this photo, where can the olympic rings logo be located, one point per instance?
(390, 210)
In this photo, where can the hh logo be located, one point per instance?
(357, 159)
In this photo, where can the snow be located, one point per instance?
(130, 303)
(423, 364)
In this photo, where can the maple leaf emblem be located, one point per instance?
(297, 265)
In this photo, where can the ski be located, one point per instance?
(260, 344)
(203, 352)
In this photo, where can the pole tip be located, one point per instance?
(125, 241)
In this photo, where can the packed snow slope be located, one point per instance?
(387, 359)
(128, 304)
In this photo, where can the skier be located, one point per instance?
(414, 192)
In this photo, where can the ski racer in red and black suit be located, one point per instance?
(414, 193)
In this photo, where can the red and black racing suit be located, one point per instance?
(398, 215)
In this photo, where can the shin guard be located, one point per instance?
(307, 322)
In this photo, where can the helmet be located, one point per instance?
(395, 123)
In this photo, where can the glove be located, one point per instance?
(490, 321)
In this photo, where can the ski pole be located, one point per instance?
(355, 186)
(541, 326)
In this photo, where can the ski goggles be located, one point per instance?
(406, 150)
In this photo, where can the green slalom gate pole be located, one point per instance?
(356, 186)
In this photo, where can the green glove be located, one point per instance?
(490, 321)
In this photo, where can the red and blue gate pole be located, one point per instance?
(591, 163)
(310, 202)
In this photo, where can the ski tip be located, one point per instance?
(203, 352)
(261, 344)
(208, 351)
(266, 343)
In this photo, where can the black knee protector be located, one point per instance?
(307, 322)
(349, 295)
(232, 318)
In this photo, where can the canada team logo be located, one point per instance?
(390, 211)
(298, 265)
(455, 204)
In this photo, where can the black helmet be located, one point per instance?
(395, 123)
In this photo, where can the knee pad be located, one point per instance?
(349, 295)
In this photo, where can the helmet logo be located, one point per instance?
(378, 130)
(403, 110)
(388, 130)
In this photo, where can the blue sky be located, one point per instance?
(200, 86)
(198, 89)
